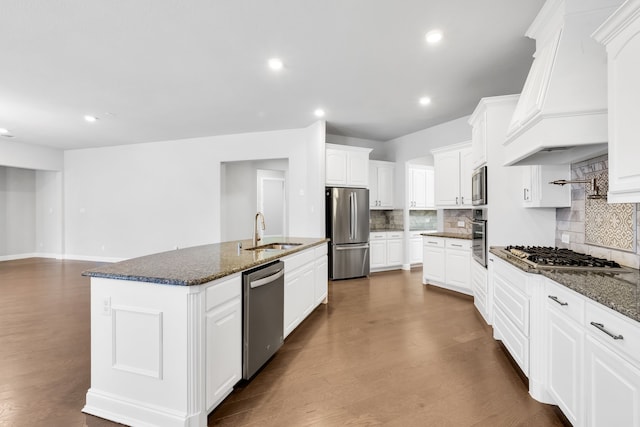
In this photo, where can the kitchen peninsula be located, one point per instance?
(166, 329)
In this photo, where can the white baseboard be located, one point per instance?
(17, 256)
(92, 258)
(14, 257)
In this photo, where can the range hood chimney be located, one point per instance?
(561, 116)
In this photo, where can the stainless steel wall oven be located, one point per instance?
(479, 236)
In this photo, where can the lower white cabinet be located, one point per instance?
(480, 288)
(447, 263)
(223, 329)
(301, 292)
(385, 250)
(415, 247)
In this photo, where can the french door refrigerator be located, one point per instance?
(347, 220)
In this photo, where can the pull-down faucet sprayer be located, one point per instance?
(257, 230)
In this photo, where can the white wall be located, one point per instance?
(132, 200)
(49, 214)
(27, 156)
(17, 212)
(238, 203)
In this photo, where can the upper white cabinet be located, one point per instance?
(453, 169)
(621, 36)
(537, 192)
(347, 166)
(420, 187)
(561, 116)
(478, 121)
(381, 184)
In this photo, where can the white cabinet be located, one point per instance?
(415, 247)
(447, 263)
(621, 36)
(381, 184)
(478, 122)
(223, 329)
(301, 292)
(453, 169)
(537, 192)
(565, 336)
(321, 267)
(346, 166)
(480, 288)
(385, 250)
(420, 189)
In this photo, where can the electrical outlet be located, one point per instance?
(565, 238)
(460, 223)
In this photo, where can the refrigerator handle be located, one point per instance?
(355, 215)
(350, 216)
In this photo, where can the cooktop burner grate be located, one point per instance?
(546, 256)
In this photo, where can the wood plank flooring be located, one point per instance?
(385, 351)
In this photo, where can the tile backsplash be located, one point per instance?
(423, 220)
(451, 218)
(594, 226)
(386, 219)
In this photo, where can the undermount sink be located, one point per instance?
(274, 246)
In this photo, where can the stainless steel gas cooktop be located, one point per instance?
(546, 257)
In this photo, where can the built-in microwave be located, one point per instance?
(479, 186)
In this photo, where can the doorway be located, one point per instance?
(272, 201)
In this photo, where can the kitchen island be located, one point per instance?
(166, 329)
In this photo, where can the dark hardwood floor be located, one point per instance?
(385, 351)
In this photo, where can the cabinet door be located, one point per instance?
(377, 253)
(565, 365)
(336, 167)
(321, 280)
(458, 268)
(292, 301)
(394, 251)
(419, 188)
(433, 265)
(373, 187)
(223, 326)
(612, 388)
(357, 169)
(307, 292)
(479, 141)
(447, 178)
(385, 186)
(415, 250)
(466, 170)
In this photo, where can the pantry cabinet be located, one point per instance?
(621, 36)
(381, 184)
(453, 170)
(346, 166)
(420, 187)
(537, 192)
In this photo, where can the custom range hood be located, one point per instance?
(561, 116)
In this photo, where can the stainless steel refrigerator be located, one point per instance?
(347, 221)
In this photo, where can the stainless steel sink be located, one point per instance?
(274, 246)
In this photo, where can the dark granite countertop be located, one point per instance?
(618, 290)
(466, 236)
(199, 264)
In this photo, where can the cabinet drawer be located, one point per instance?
(222, 291)
(395, 235)
(513, 303)
(320, 250)
(617, 325)
(479, 278)
(297, 260)
(513, 339)
(460, 244)
(379, 235)
(565, 301)
(512, 275)
(435, 242)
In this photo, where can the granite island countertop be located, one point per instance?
(199, 264)
(618, 290)
(465, 236)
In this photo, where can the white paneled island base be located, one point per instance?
(168, 354)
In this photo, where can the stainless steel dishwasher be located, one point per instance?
(263, 316)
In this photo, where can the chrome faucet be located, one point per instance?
(257, 235)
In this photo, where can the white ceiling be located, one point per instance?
(155, 70)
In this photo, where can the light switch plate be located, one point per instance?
(460, 223)
(565, 238)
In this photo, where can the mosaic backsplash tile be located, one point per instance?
(386, 219)
(423, 220)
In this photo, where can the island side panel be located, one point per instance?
(147, 359)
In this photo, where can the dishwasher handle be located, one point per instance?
(266, 280)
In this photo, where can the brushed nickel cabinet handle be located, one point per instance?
(555, 298)
(602, 328)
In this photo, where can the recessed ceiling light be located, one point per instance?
(275, 64)
(434, 36)
(3, 130)
(425, 100)
(319, 112)
(90, 119)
